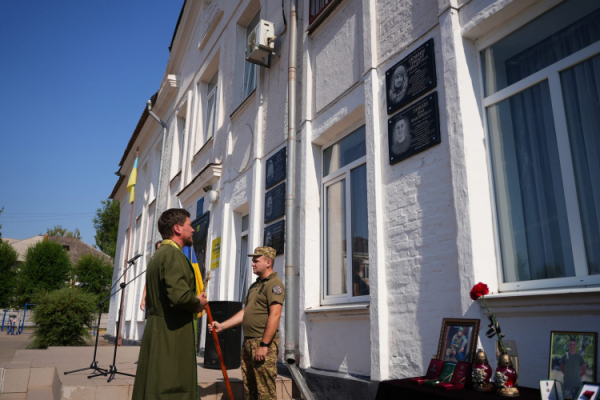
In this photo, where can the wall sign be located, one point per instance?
(411, 77)
(215, 257)
(276, 168)
(414, 129)
(275, 236)
(275, 203)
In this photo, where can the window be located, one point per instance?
(542, 88)
(243, 259)
(211, 108)
(181, 138)
(317, 7)
(345, 220)
(249, 68)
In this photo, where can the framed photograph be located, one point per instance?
(589, 391)
(573, 357)
(551, 390)
(458, 339)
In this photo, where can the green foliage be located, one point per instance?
(8, 261)
(94, 275)
(59, 231)
(106, 223)
(46, 267)
(1, 209)
(62, 318)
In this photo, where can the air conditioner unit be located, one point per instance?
(258, 46)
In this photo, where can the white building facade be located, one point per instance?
(506, 191)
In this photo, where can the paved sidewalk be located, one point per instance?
(9, 344)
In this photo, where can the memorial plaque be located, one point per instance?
(411, 77)
(275, 203)
(275, 236)
(415, 129)
(276, 168)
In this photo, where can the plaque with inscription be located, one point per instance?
(415, 129)
(275, 236)
(411, 77)
(275, 203)
(276, 168)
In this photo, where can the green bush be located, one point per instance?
(8, 261)
(46, 267)
(94, 275)
(62, 318)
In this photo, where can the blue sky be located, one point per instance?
(76, 75)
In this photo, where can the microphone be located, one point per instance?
(132, 260)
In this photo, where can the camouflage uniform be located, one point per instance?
(259, 377)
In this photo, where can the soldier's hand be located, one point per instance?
(217, 326)
(261, 354)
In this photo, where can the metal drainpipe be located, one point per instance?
(160, 168)
(290, 315)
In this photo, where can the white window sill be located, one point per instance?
(243, 105)
(564, 301)
(345, 311)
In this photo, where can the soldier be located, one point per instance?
(260, 319)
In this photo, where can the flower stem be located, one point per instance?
(494, 323)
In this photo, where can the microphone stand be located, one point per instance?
(113, 368)
(94, 365)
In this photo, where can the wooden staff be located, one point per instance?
(217, 344)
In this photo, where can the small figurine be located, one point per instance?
(482, 372)
(506, 377)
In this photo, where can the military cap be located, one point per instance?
(264, 251)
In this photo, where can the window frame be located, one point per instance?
(214, 92)
(243, 258)
(343, 173)
(246, 93)
(551, 74)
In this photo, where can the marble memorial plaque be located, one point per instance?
(276, 168)
(411, 77)
(275, 236)
(275, 203)
(414, 129)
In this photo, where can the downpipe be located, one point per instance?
(290, 229)
(160, 170)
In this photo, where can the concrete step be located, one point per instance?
(29, 383)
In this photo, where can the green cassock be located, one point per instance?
(167, 362)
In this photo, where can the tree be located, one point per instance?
(106, 223)
(1, 209)
(61, 317)
(59, 231)
(8, 261)
(46, 267)
(94, 274)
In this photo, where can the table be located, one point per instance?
(405, 389)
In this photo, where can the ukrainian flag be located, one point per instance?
(191, 255)
(131, 182)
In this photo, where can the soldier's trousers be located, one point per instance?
(259, 377)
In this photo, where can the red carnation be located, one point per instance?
(481, 289)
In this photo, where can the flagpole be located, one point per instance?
(121, 325)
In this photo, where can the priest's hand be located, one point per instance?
(217, 326)
(203, 301)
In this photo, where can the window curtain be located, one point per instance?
(555, 47)
(581, 96)
(532, 216)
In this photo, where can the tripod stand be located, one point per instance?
(94, 365)
(113, 368)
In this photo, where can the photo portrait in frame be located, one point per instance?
(458, 339)
(573, 357)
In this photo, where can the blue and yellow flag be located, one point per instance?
(191, 255)
(131, 182)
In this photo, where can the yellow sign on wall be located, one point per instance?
(215, 258)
